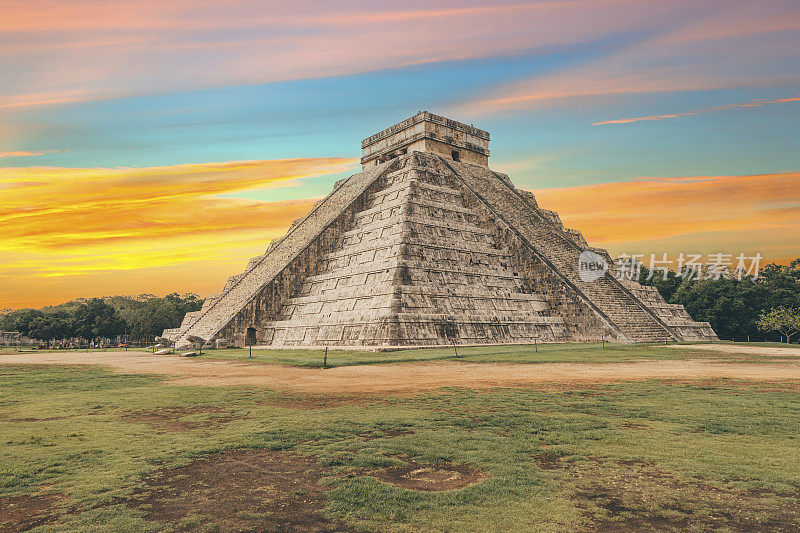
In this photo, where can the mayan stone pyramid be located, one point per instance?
(427, 246)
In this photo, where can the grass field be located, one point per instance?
(543, 353)
(87, 449)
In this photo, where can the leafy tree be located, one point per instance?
(780, 319)
(19, 320)
(148, 316)
(43, 328)
(140, 316)
(95, 318)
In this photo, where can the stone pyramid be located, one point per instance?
(425, 247)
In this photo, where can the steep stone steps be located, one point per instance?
(242, 288)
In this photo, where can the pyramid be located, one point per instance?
(428, 246)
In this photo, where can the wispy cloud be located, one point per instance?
(78, 225)
(699, 50)
(753, 103)
(25, 153)
(63, 207)
(90, 49)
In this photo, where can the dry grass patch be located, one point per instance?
(171, 418)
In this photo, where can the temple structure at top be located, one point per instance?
(426, 132)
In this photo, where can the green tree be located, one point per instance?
(19, 320)
(42, 328)
(780, 319)
(95, 318)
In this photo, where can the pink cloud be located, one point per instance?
(696, 53)
(91, 49)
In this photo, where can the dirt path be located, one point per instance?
(769, 351)
(401, 378)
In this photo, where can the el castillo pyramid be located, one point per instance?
(427, 246)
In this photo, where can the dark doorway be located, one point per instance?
(455, 155)
(250, 338)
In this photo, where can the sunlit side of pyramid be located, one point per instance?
(428, 245)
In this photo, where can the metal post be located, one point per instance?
(535, 345)
(325, 359)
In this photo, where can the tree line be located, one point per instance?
(138, 318)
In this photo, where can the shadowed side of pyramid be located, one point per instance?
(423, 248)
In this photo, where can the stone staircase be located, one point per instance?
(240, 289)
(542, 232)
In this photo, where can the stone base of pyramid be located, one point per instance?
(419, 250)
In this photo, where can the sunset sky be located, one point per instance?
(154, 146)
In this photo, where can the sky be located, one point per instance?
(154, 146)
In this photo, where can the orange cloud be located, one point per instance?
(753, 103)
(24, 153)
(77, 225)
(709, 213)
(20, 154)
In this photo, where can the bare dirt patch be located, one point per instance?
(547, 461)
(21, 513)
(312, 402)
(243, 490)
(169, 418)
(637, 496)
(430, 477)
(407, 378)
(768, 351)
(31, 419)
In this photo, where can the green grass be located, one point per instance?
(544, 353)
(557, 459)
(525, 353)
